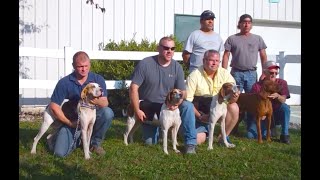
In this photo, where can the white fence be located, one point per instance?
(66, 54)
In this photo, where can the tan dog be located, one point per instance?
(170, 118)
(86, 117)
(259, 105)
(218, 110)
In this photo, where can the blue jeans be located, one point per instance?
(151, 133)
(245, 79)
(65, 137)
(281, 115)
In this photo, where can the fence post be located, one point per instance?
(67, 60)
(282, 63)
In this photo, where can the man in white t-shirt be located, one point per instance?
(201, 40)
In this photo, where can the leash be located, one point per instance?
(77, 133)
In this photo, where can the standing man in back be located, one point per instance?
(244, 47)
(200, 41)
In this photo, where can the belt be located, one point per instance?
(241, 70)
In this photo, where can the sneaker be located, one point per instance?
(285, 139)
(98, 150)
(190, 149)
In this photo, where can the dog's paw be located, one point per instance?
(230, 145)
(176, 150)
(33, 151)
(210, 148)
(166, 152)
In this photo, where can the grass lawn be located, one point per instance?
(248, 160)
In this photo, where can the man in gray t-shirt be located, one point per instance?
(199, 41)
(151, 80)
(244, 47)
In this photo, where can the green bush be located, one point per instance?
(122, 69)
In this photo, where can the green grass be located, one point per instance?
(248, 160)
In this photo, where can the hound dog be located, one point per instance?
(259, 105)
(218, 110)
(133, 124)
(170, 118)
(86, 117)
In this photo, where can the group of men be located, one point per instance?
(155, 76)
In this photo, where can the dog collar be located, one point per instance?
(88, 106)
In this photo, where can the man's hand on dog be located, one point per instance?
(140, 115)
(274, 96)
(234, 97)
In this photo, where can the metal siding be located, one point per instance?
(249, 7)
(97, 28)
(206, 4)
(86, 34)
(178, 6)
(224, 24)
(159, 13)
(265, 10)
(129, 20)
(64, 23)
(187, 7)
(216, 9)
(257, 10)
(168, 17)
(109, 21)
(119, 18)
(282, 10)
(150, 20)
(296, 10)
(273, 11)
(289, 10)
(197, 7)
(139, 20)
(233, 18)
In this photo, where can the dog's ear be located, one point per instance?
(84, 92)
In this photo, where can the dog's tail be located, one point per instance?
(124, 113)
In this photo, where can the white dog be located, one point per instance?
(86, 117)
(218, 109)
(170, 118)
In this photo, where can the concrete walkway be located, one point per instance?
(295, 117)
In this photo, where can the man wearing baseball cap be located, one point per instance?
(281, 111)
(201, 40)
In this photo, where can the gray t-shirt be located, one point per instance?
(198, 43)
(155, 81)
(244, 50)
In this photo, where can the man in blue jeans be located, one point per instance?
(151, 80)
(65, 140)
(281, 111)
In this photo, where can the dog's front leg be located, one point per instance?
(224, 134)
(258, 119)
(213, 121)
(165, 139)
(269, 127)
(130, 124)
(174, 132)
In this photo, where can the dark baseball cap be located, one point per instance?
(244, 16)
(207, 14)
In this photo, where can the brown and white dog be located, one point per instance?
(218, 110)
(170, 118)
(86, 117)
(259, 105)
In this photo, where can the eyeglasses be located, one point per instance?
(167, 48)
(273, 73)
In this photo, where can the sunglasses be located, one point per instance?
(273, 73)
(167, 48)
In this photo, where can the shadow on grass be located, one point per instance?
(61, 171)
